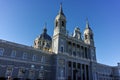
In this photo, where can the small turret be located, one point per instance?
(88, 35)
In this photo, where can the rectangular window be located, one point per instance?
(13, 54)
(24, 55)
(78, 53)
(1, 51)
(74, 53)
(78, 65)
(69, 64)
(74, 65)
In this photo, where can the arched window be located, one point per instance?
(86, 36)
(42, 59)
(61, 49)
(24, 55)
(1, 51)
(56, 23)
(43, 43)
(13, 53)
(63, 23)
(34, 58)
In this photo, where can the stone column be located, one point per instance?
(76, 69)
(72, 47)
(75, 50)
(83, 52)
(81, 71)
(66, 69)
(88, 72)
(85, 72)
(87, 53)
(80, 51)
(72, 69)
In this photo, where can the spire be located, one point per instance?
(61, 10)
(45, 29)
(87, 24)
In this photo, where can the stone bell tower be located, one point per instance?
(89, 40)
(58, 41)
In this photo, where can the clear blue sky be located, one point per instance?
(21, 21)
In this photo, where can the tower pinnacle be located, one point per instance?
(61, 10)
(45, 29)
(87, 23)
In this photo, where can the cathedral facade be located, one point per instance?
(60, 57)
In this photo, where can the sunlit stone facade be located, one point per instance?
(62, 57)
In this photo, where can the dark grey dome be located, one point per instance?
(45, 36)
